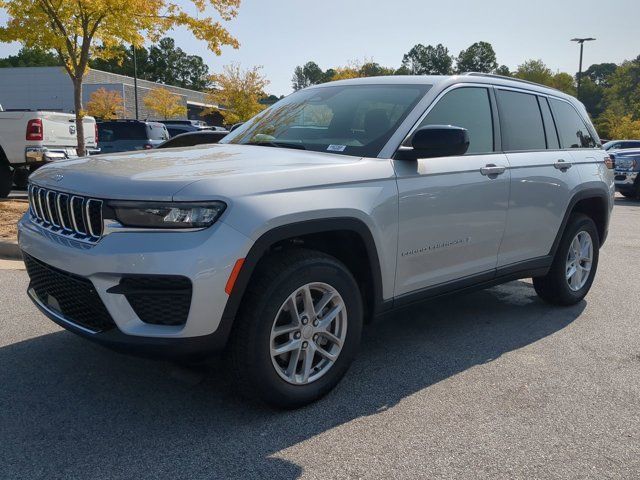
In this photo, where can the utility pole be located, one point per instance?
(581, 42)
(135, 79)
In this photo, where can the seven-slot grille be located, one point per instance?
(66, 214)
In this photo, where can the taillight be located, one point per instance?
(34, 130)
(610, 161)
(95, 127)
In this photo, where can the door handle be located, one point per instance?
(562, 165)
(492, 169)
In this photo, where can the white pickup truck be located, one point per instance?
(29, 139)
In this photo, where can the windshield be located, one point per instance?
(350, 120)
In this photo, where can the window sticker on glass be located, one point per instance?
(336, 148)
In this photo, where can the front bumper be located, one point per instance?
(625, 180)
(205, 257)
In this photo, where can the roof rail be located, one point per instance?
(504, 77)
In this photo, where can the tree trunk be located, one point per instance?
(77, 100)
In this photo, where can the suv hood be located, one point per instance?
(226, 170)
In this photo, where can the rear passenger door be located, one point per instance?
(452, 210)
(542, 176)
(577, 141)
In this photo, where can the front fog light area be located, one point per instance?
(167, 215)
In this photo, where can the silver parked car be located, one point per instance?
(337, 204)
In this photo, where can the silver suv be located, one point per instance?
(336, 205)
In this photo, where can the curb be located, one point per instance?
(9, 250)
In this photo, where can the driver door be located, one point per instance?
(452, 210)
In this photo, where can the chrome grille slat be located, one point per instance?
(43, 214)
(47, 201)
(73, 216)
(59, 202)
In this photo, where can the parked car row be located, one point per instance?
(129, 135)
(627, 172)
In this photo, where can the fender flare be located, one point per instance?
(277, 234)
(579, 196)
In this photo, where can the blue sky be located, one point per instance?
(280, 34)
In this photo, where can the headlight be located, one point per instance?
(167, 215)
(625, 162)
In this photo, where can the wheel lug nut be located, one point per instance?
(305, 320)
(296, 335)
(304, 344)
(315, 337)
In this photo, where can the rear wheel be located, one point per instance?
(21, 178)
(298, 329)
(574, 265)
(6, 178)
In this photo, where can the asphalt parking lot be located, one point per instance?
(495, 384)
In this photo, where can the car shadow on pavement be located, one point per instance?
(627, 202)
(72, 409)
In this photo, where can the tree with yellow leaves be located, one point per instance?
(165, 103)
(105, 104)
(239, 92)
(75, 29)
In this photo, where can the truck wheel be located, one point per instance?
(298, 329)
(21, 178)
(574, 265)
(6, 179)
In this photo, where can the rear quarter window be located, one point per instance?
(157, 131)
(572, 129)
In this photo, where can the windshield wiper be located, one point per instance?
(297, 146)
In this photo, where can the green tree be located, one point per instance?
(503, 70)
(308, 74)
(427, 60)
(31, 57)
(623, 94)
(599, 73)
(373, 69)
(563, 82)
(170, 65)
(592, 96)
(162, 62)
(479, 57)
(534, 71)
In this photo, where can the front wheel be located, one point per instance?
(574, 265)
(298, 329)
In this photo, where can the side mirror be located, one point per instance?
(436, 141)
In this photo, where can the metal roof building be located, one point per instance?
(50, 88)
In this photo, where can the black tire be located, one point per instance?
(248, 353)
(554, 287)
(21, 178)
(6, 178)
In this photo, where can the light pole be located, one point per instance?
(135, 78)
(581, 42)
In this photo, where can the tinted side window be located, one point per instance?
(520, 121)
(571, 128)
(113, 131)
(549, 124)
(468, 108)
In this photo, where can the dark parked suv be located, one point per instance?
(126, 135)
